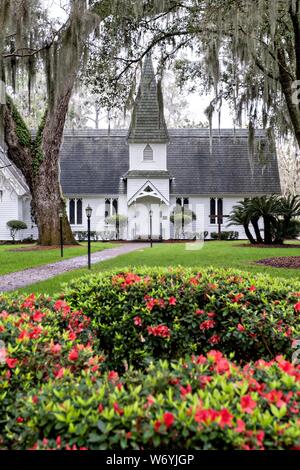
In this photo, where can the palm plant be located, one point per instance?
(240, 216)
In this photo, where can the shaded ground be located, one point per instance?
(282, 262)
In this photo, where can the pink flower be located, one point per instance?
(168, 419)
(199, 312)
(248, 404)
(55, 348)
(207, 324)
(240, 327)
(38, 316)
(137, 321)
(172, 301)
(113, 376)
(215, 339)
(240, 425)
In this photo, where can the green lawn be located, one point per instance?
(12, 261)
(217, 254)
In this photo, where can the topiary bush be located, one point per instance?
(207, 402)
(168, 313)
(14, 227)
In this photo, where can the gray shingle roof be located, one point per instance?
(94, 162)
(147, 121)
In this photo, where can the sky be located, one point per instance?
(197, 104)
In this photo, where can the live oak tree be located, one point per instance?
(28, 39)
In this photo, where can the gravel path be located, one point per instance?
(29, 276)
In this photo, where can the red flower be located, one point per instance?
(240, 327)
(222, 366)
(73, 354)
(24, 334)
(168, 419)
(237, 297)
(59, 373)
(38, 316)
(248, 404)
(199, 312)
(225, 418)
(157, 425)
(29, 301)
(252, 288)
(205, 416)
(11, 362)
(194, 281)
(118, 410)
(35, 332)
(113, 376)
(137, 321)
(172, 301)
(35, 399)
(215, 339)
(185, 390)
(159, 330)
(297, 307)
(58, 441)
(211, 314)
(240, 426)
(100, 408)
(72, 336)
(207, 324)
(60, 305)
(20, 419)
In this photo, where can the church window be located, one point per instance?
(111, 207)
(75, 211)
(72, 211)
(148, 153)
(182, 202)
(1, 195)
(216, 210)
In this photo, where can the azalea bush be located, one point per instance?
(168, 313)
(41, 339)
(203, 402)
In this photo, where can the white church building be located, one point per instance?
(143, 174)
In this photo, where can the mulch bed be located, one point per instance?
(292, 262)
(261, 245)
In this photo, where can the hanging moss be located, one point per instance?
(37, 153)
(22, 131)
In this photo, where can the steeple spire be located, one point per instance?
(147, 121)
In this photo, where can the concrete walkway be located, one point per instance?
(20, 279)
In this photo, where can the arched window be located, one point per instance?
(72, 211)
(148, 153)
(79, 211)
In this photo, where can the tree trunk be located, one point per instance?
(254, 222)
(249, 234)
(267, 230)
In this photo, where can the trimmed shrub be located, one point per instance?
(14, 227)
(207, 402)
(168, 313)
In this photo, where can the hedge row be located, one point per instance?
(168, 313)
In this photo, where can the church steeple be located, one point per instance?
(147, 121)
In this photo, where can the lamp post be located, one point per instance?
(150, 215)
(88, 212)
(60, 214)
